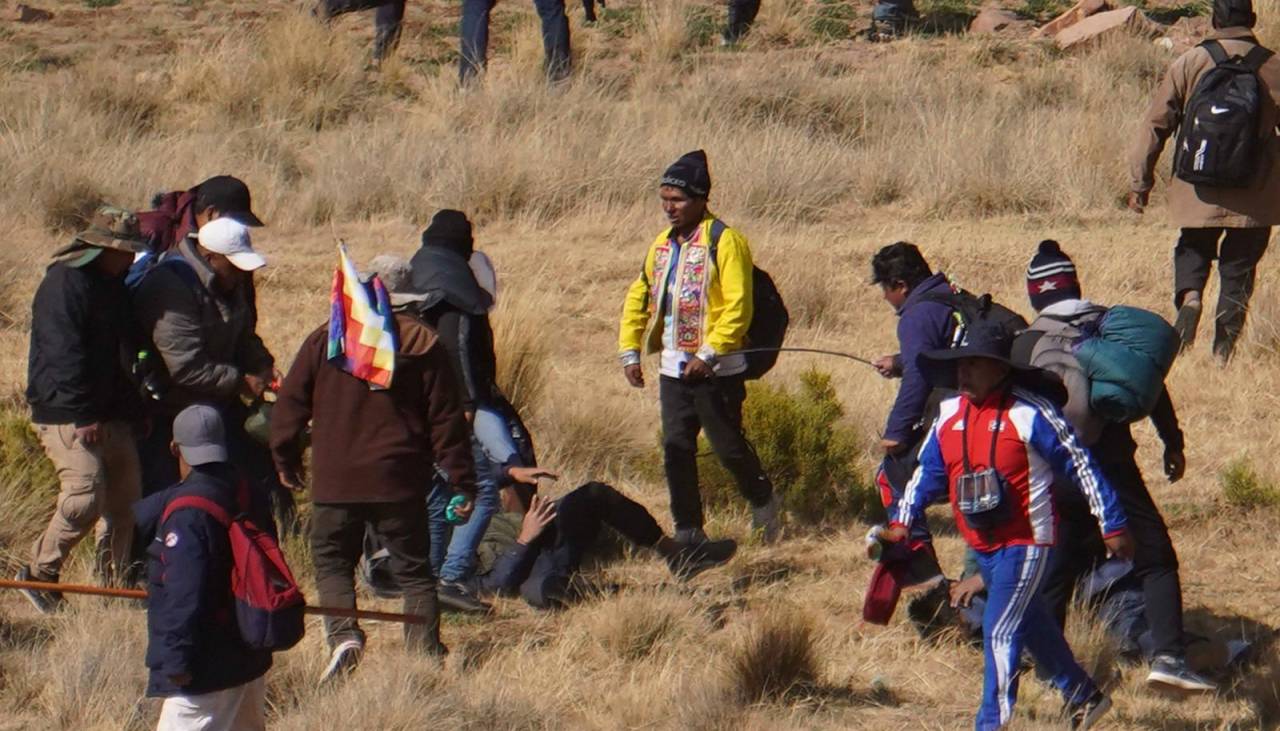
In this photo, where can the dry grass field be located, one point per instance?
(822, 148)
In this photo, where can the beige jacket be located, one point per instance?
(1192, 206)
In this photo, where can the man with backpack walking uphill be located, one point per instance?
(1071, 338)
(693, 304)
(1223, 98)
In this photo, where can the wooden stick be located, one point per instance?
(140, 594)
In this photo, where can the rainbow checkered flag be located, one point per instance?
(362, 332)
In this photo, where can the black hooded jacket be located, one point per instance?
(82, 342)
(458, 309)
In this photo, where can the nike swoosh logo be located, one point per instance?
(1219, 110)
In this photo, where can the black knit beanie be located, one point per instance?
(1233, 14)
(690, 174)
(450, 229)
(1051, 277)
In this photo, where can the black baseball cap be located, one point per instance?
(230, 196)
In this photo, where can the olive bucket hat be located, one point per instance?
(109, 228)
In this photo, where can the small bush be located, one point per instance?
(805, 450)
(777, 659)
(101, 3)
(28, 482)
(1244, 488)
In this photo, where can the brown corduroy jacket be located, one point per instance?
(1193, 206)
(375, 446)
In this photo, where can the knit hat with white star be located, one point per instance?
(1051, 276)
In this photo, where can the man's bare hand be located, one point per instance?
(89, 434)
(887, 366)
(963, 591)
(253, 386)
(893, 534)
(465, 510)
(292, 479)
(697, 370)
(1138, 201)
(891, 446)
(634, 375)
(540, 515)
(531, 475)
(1121, 546)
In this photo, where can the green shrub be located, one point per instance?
(101, 3)
(805, 450)
(28, 482)
(1244, 488)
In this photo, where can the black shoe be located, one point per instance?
(342, 661)
(1173, 672)
(45, 602)
(692, 560)
(1187, 322)
(458, 598)
(1082, 716)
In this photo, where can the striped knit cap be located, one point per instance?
(1051, 276)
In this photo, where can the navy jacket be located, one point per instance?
(922, 326)
(191, 625)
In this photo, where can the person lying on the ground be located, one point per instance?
(535, 547)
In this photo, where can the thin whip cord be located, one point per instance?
(818, 351)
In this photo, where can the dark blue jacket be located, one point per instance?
(191, 624)
(922, 326)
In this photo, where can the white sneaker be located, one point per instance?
(767, 519)
(343, 660)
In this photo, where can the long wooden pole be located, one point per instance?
(140, 594)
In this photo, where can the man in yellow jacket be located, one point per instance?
(692, 304)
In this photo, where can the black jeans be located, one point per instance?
(579, 517)
(1078, 550)
(337, 539)
(474, 38)
(713, 406)
(1241, 250)
(742, 14)
(386, 22)
(1156, 563)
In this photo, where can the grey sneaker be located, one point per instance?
(767, 519)
(1173, 672)
(692, 560)
(45, 602)
(1082, 716)
(342, 661)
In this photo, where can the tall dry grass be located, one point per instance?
(973, 148)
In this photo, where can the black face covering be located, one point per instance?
(1233, 14)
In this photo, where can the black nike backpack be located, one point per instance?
(769, 318)
(1218, 139)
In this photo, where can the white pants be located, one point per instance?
(242, 708)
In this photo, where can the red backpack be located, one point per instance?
(269, 604)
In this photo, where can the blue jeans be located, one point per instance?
(460, 560)
(439, 528)
(1015, 616)
(474, 38)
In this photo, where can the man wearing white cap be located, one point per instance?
(197, 308)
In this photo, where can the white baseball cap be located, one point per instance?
(230, 238)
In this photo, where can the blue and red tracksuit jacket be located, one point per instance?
(1034, 441)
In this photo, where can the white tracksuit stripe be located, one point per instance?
(1087, 480)
(1032, 573)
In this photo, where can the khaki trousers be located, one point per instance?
(99, 485)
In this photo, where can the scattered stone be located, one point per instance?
(1075, 14)
(992, 20)
(1125, 20)
(27, 14)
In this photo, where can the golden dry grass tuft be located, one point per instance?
(822, 150)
